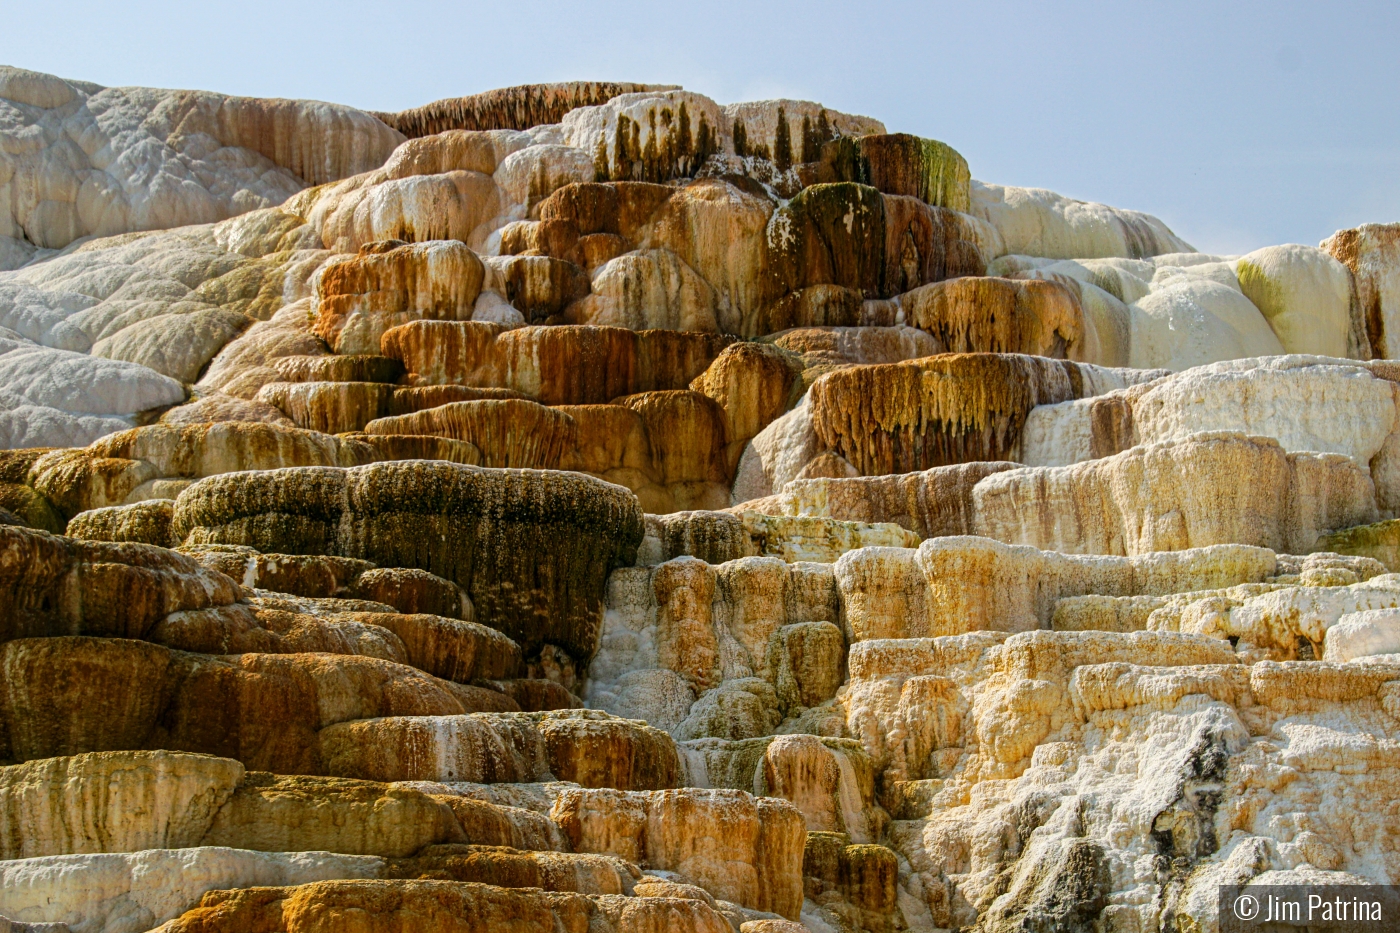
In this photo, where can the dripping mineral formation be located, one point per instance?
(589, 507)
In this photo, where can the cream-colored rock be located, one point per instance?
(986, 695)
(101, 161)
(451, 150)
(168, 302)
(216, 406)
(588, 127)
(760, 119)
(1037, 222)
(112, 802)
(1360, 634)
(1125, 279)
(744, 708)
(454, 205)
(116, 893)
(1175, 495)
(935, 502)
(795, 538)
(245, 364)
(1208, 611)
(1305, 403)
(1178, 310)
(1189, 320)
(1372, 253)
(719, 629)
(952, 585)
(57, 398)
(739, 848)
(649, 290)
(528, 176)
(716, 537)
(1226, 727)
(1278, 619)
(360, 297)
(1304, 293)
(176, 345)
(776, 455)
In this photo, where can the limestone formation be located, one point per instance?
(958, 408)
(590, 507)
(1369, 251)
(529, 548)
(387, 284)
(1154, 497)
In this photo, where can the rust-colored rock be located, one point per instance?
(995, 315)
(828, 235)
(925, 244)
(737, 847)
(508, 432)
(338, 368)
(941, 410)
(687, 434)
(329, 407)
(51, 585)
(412, 591)
(63, 696)
(621, 208)
(360, 297)
(567, 365)
(420, 447)
(539, 287)
(753, 384)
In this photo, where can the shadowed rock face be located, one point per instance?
(59, 586)
(530, 548)
(511, 108)
(71, 695)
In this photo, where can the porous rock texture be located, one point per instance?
(589, 507)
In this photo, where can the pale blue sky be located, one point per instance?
(1241, 125)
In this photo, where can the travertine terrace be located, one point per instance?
(591, 507)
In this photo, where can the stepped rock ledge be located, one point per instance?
(591, 507)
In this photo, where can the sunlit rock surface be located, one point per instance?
(593, 507)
